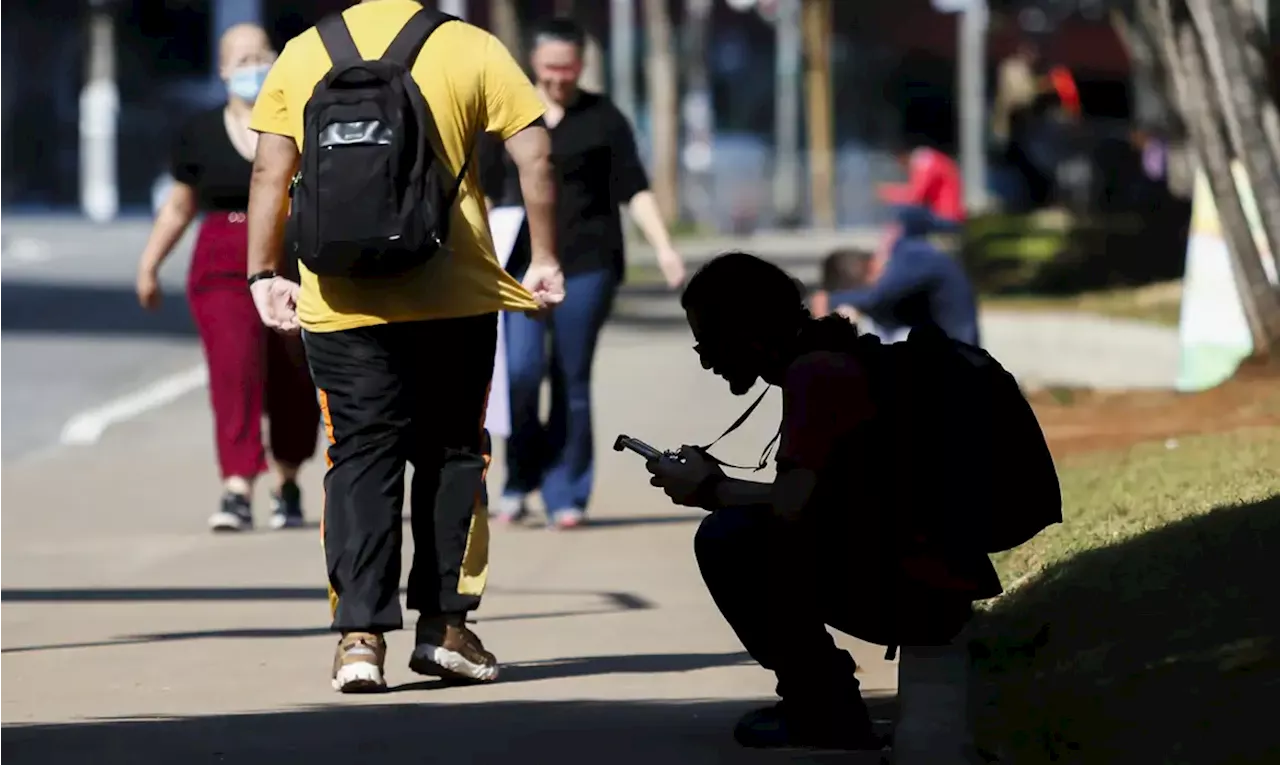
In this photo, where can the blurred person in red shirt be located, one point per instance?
(933, 182)
(934, 191)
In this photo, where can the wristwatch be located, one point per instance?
(259, 276)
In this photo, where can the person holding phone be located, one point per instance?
(779, 558)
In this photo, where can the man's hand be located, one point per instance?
(277, 302)
(546, 283)
(681, 478)
(672, 266)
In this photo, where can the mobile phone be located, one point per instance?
(639, 447)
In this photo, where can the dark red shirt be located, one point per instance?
(828, 414)
(826, 397)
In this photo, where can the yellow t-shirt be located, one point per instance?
(472, 85)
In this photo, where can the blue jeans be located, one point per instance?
(558, 456)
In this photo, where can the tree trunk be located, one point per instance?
(816, 20)
(1256, 293)
(1256, 44)
(1153, 101)
(506, 25)
(1149, 101)
(660, 72)
(1240, 95)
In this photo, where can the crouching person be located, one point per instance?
(833, 540)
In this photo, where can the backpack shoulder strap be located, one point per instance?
(337, 39)
(413, 35)
(461, 176)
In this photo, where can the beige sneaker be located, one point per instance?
(446, 648)
(358, 663)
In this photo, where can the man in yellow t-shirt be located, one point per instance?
(404, 364)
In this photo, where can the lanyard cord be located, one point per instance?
(768, 449)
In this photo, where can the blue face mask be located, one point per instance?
(246, 82)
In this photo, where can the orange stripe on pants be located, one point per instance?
(328, 461)
(474, 572)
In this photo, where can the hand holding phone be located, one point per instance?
(650, 453)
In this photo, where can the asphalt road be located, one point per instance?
(73, 337)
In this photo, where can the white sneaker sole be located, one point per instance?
(279, 521)
(359, 677)
(221, 521)
(440, 662)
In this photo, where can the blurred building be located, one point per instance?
(893, 69)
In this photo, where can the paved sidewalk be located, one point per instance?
(131, 635)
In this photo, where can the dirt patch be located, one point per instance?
(1078, 421)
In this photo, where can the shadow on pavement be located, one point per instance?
(627, 603)
(644, 520)
(535, 523)
(584, 666)
(1162, 648)
(570, 732)
(654, 322)
(58, 308)
(622, 601)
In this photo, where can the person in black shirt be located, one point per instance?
(598, 170)
(250, 367)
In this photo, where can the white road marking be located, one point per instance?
(28, 250)
(87, 427)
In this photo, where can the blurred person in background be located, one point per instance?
(251, 370)
(598, 170)
(1021, 86)
(913, 286)
(933, 182)
(933, 192)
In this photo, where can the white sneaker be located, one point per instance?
(510, 508)
(358, 663)
(568, 518)
(233, 514)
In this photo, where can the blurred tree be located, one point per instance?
(1204, 44)
(505, 15)
(1206, 61)
(816, 19)
(663, 97)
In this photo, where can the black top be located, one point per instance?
(205, 159)
(598, 170)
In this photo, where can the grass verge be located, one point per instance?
(1148, 627)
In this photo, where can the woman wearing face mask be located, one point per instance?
(251, 369)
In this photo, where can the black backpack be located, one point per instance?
(961, 444)
(981, 471)
(371, 199)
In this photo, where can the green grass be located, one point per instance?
(1146, 628)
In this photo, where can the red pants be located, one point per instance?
(251, 368)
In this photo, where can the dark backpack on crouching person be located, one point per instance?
(990, 482)
(967, 451)
(371, 199)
